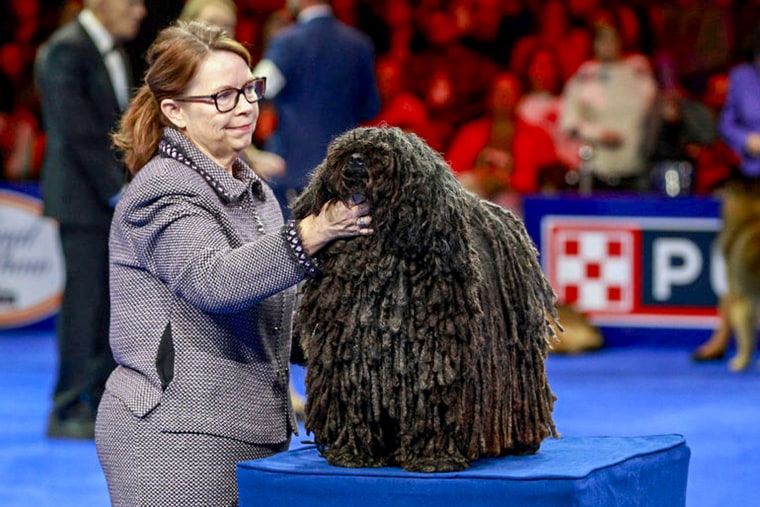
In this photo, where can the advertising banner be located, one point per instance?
(644, 261)
(32, 271)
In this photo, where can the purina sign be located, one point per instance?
(629, 267)
(31, 263)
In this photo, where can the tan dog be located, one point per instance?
(577, 334)
(740, 243)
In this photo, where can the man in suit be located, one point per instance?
(320, 75)
(84, 81)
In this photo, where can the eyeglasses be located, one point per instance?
(227, 99)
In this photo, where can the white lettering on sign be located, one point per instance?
(32, 271)
(718, 270)
(677, 261)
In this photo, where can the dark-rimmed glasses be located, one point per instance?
(226, 100)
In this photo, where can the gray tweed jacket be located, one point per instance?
(202, 299)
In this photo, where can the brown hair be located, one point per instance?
(173, 60)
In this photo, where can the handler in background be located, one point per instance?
(85, 82)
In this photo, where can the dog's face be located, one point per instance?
(401, 177)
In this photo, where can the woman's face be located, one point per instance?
(221, 136)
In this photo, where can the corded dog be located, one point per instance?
(425, 342)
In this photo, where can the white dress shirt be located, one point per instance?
(112, 56)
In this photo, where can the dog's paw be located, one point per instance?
(446, 463)
(351, 459)
(738, 363)
(521, 449)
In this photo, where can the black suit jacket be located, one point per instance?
(81, 170)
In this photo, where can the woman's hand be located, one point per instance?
(336, 219)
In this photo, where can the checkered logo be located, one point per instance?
(592, 268)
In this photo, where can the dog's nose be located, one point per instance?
(356, 168)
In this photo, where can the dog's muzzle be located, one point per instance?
(356, 170)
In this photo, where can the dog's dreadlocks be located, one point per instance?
(425, 342)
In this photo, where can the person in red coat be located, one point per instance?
(499, 154)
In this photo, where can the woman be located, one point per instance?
(203, 276)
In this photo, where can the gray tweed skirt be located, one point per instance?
(147, 467)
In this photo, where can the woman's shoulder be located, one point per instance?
(163, 178)
(161, 170)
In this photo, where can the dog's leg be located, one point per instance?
(716, 346)
(743, 318)
(432, 454)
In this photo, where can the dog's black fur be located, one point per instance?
(425, 342)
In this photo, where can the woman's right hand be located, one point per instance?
(336, 219)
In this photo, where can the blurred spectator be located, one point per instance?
(634, 26)
(716, 162)
(275, 22)
(608, 104)
(582, 12)
(21, 143)
(491, 27)
(27, 23)
(389, 24)
(84, 84)
(740, 118)
(21, 138)
(697, 38)
(746, 16)
(321, 78)
(257, 20)
(160, 13)
(452, 79)
(540, 104)
(399, 107)
(682, 126)
(498, 155)
(572, 44)
(221, 13)
(345, 11)
(15, 65)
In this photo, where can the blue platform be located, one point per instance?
(585, 471)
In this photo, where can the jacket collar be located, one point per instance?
(175, 145)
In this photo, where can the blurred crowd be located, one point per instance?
(521, 96)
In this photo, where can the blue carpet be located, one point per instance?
(621, 391)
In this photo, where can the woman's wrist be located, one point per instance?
(301, 252)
